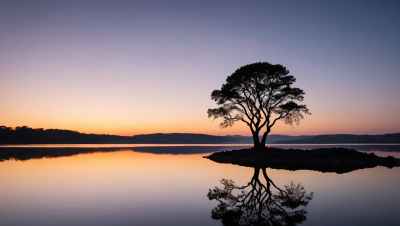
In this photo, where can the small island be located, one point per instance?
(338, 160)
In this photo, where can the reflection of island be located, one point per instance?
(255, 204)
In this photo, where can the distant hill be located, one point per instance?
(180, 138)
(345, 139)
(270, 138)
(27, 135)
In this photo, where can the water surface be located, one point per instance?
(169, 185)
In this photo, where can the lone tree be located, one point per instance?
(259, 94)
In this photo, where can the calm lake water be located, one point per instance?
(168, 185)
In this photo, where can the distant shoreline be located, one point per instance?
(27, 135)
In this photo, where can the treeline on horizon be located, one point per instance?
(27, 135)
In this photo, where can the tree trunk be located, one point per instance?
(262, 144)
(256, 140)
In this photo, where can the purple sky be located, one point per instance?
(122, 67)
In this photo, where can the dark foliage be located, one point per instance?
(259, 95)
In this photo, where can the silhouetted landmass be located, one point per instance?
(338, 160)
(345, 139)
(269, 140)
(27, 135)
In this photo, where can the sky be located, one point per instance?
(140, 67)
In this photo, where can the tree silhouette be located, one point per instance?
(255, 204)
(259, 94)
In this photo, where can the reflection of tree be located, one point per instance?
(255, 204)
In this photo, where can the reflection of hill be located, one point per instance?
(365, 147)
(256, 204)
(38, 153)
(388, 148)
(181, 149)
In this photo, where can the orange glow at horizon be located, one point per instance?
(311, 125)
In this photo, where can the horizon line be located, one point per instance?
(27, 127)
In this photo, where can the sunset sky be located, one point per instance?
(127, 68)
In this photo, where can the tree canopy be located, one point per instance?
(259, 95)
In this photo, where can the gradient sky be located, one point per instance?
(126, 68)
